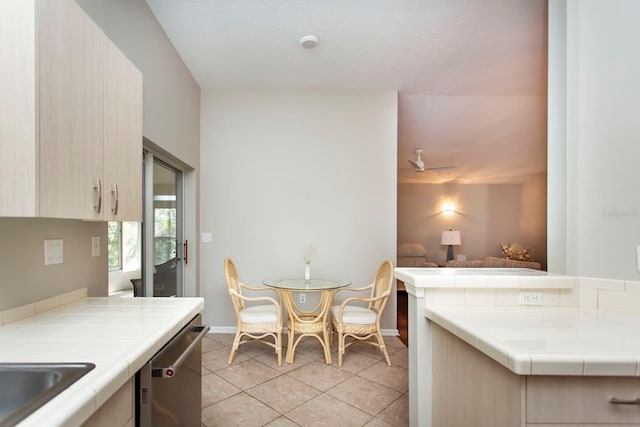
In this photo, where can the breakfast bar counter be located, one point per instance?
(548, 340)
(478, 356)
(118, 335)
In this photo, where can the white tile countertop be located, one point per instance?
(481, 278)
(118, 335)
(548, 340)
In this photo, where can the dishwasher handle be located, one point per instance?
(171, 370)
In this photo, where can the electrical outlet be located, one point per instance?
(302, 298)
(530, 298)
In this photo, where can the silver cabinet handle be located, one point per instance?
(114, 196)
(98, 189)
(616, 401)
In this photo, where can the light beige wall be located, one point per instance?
(171, 95)
(486, 216)
(291, 169)
(25, 279)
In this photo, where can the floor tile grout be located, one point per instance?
(388, 385)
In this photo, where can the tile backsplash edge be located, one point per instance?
(609, 294)
(28, 310)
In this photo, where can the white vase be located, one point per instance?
(307, 271)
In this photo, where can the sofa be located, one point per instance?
(413, 255)
(494, 262)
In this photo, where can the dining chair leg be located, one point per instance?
(383, 347)
(279, 347)
(234, 346)
(340, 348)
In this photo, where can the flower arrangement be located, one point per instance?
(308, 255)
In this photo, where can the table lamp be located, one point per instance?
(451, 238)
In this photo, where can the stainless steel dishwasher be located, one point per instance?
(168, 387)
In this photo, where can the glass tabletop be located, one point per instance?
(302, 284)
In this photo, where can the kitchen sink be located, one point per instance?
(25, 387)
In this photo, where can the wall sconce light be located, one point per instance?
(450, 238)
(448, 208)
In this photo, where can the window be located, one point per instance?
(165, 234)
(114, 237)
(124, 245)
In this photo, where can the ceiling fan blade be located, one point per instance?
(439, 167)
(418, 165)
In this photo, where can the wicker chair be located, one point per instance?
(363, 323)
(256, 322)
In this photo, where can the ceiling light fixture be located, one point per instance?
(309, 42)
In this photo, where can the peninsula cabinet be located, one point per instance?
(71, 133)
(470, 388)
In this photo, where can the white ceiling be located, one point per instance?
(471, 74)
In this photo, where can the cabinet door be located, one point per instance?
(17, 109)
(70, 88)
(122, 138)
(559, 399)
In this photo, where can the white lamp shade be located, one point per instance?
(450, 237)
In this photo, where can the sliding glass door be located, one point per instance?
(163, 249)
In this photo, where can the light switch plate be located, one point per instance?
(53, 251)
(95, 246)
(206, 238)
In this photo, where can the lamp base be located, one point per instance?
(450, 253)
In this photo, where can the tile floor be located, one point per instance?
(254, 391)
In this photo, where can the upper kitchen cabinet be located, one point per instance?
(72, 138)
(18, 154)
(70, 61)
(122, 138)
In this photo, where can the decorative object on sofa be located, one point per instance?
(515, 251)
(418, 164)
(450, 238)
(308, 255)
(413, 255)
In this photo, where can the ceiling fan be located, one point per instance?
(418, 164)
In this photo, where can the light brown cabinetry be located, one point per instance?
(18, 154)
(470, 388)
(70, 87)
(117, 411)
(122, 138)
(571, 400)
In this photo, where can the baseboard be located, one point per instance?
(232, 330)
(222, 330)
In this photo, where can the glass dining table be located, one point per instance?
(302, 321)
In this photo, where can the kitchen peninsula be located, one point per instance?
(477, 357)
(118, 335)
